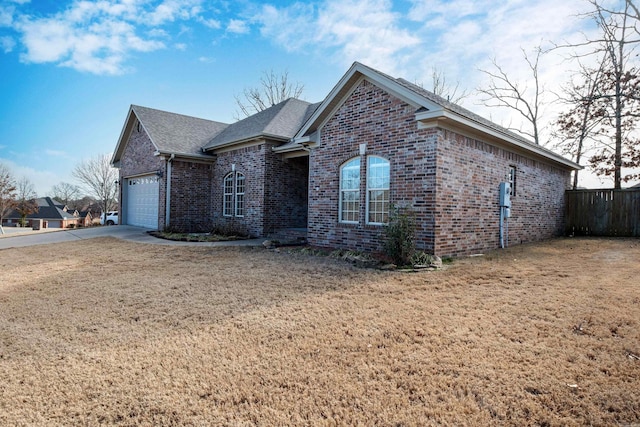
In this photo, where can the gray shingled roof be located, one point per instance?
(446, 104)
(177, 133)
(280, 121)
(47, 209)
(459, 110)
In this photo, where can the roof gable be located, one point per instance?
(170, 133)
(431, 110)
(280, 121)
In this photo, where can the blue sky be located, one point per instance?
(70, 69)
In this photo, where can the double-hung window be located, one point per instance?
(376, 198)
(233, 194)
(377, 190)
(350, 191)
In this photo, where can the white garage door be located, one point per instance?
(142, 198)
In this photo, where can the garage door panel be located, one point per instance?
(143, 196)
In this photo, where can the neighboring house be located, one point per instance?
(335, 168)
(85, 219)
(52, 213)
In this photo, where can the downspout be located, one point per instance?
(167, 203)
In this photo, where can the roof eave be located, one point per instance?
(261, 136)
(449, 119)
(185, 156)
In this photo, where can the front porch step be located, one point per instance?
(289, 236)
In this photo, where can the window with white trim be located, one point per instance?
(239, 194)
(512, 179)
(378, 178)
(227, 209)
(349, 208)
(233, 194)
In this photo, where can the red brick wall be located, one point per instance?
(191, 203)
(137, 158)
(463, 173)
(250, 162)
(275, 190)
(387, 125)
(467, 207)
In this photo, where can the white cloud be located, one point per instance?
(97, 46)
(57, 153)
(238, 26)
(42, 180)
(7, 44)
(180, 46)
(171, 10)
(211, 23)
(362, 30)
(96, 36)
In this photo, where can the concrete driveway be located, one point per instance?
(125, 232)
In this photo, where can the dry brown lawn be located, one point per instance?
(541, 334)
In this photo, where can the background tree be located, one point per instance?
(274, 88)
(443, 88)
(503, 91)
(66, 193)
(26, 203)
(7, 192)
(620, 98)
(577, 128)
(617, 43)
(99, 179)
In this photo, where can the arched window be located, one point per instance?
(233, 199)
(227, 209)
(239, 194)
(377, 190)
(349, 208)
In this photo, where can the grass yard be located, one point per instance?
(112, 332)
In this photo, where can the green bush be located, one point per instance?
(400, 233)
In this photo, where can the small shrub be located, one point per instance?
(421, 258)
(399, 234)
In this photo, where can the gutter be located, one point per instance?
(167, 203)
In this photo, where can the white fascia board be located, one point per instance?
(301, 143)
(184, 156)
(442, 117)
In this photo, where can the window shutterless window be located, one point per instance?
(378, 177)
(512, 179)
(233, 194)
(349, 206)
(239, 194)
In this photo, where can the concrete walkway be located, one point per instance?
(26, 237)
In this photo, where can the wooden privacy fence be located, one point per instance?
(603, 212)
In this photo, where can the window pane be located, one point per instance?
(227, 209)
(378, 206)
(350, 191)
(378, 180)
(350, 205)
(350, 179)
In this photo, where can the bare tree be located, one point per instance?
(274, 88)
(7, 193)
(441, 87)
(617, 44)
(579, 125)
(504, 92)
(66, 193)
(25, 200)
(99, 178)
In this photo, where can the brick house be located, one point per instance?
(335, 167)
